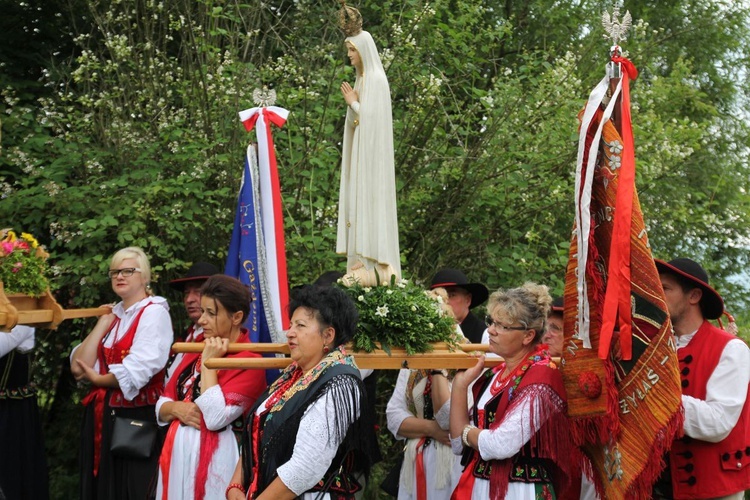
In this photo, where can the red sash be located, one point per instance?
(165, 459)
(465, 485)
(421, 479)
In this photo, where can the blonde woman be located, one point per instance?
(123, 360)
(515, 437)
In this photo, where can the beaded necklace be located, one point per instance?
(509, 382)
(501, 383)
(275, 397)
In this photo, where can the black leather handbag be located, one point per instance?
(132, 438)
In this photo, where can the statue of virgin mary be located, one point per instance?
(367, 225)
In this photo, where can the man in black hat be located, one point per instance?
(712, 459)
(462, 297)
(190, 286)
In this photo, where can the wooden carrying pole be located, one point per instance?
(365, 360)
(440, 357)
(46, 318)
(283, 348)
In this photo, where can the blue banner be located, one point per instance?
(245, 258)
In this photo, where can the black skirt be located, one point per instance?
(118, 478)
(23, 467)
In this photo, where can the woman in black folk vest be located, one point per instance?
(23, 466)
(123, 359)
(515, 439)
(307, 436)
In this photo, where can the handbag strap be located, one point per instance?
(328, 483)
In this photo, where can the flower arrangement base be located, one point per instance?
(23, 302)
(17, 308)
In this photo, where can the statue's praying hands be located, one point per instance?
(350, 95)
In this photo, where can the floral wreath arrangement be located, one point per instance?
(400, 314)
(23, 264)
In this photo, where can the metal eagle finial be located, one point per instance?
(615, 28)
(264, 97)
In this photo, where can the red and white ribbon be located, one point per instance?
(270, 204)
(617, 296)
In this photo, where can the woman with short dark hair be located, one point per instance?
(307, 436)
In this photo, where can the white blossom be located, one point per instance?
(381, 311)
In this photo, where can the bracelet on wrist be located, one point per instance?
(234, 486)
(465, 434)
(443, 372)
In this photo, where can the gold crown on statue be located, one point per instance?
(350, 20)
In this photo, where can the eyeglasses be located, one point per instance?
(554, 328)
(491, 322)
(126, 272)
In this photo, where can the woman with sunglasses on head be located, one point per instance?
(515, 439)
(203, 406)
(123, 360)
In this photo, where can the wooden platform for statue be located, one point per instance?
(442, 356)
(40, 312)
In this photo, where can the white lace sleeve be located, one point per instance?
(515, 429)
(457, 447)
(442, 417)
(396, 411)
(316, 445)
(216, 412)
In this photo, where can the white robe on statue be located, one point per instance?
(367, 225)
